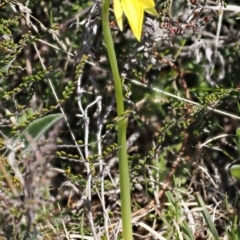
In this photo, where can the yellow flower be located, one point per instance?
(134, 11)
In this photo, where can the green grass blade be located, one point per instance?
(37, 128)
(207, 217)
(187, 232)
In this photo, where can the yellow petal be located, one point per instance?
(134, 13)
(147, 3)
(118, 13)
(151, 11)
(148, 6)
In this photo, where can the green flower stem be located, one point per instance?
(122, 127)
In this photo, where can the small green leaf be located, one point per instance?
(7, 65)
(238, 132)
(238, 136)
(37, 128)
(235, 171)
(238, 16)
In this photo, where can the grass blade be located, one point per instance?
(207, 217)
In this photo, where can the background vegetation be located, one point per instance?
(59, 169)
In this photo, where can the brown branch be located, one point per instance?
(81, 14)
(179, 72)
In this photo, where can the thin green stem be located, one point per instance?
(238, 136)
(122, 126)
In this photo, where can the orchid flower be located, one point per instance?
(134, 12)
